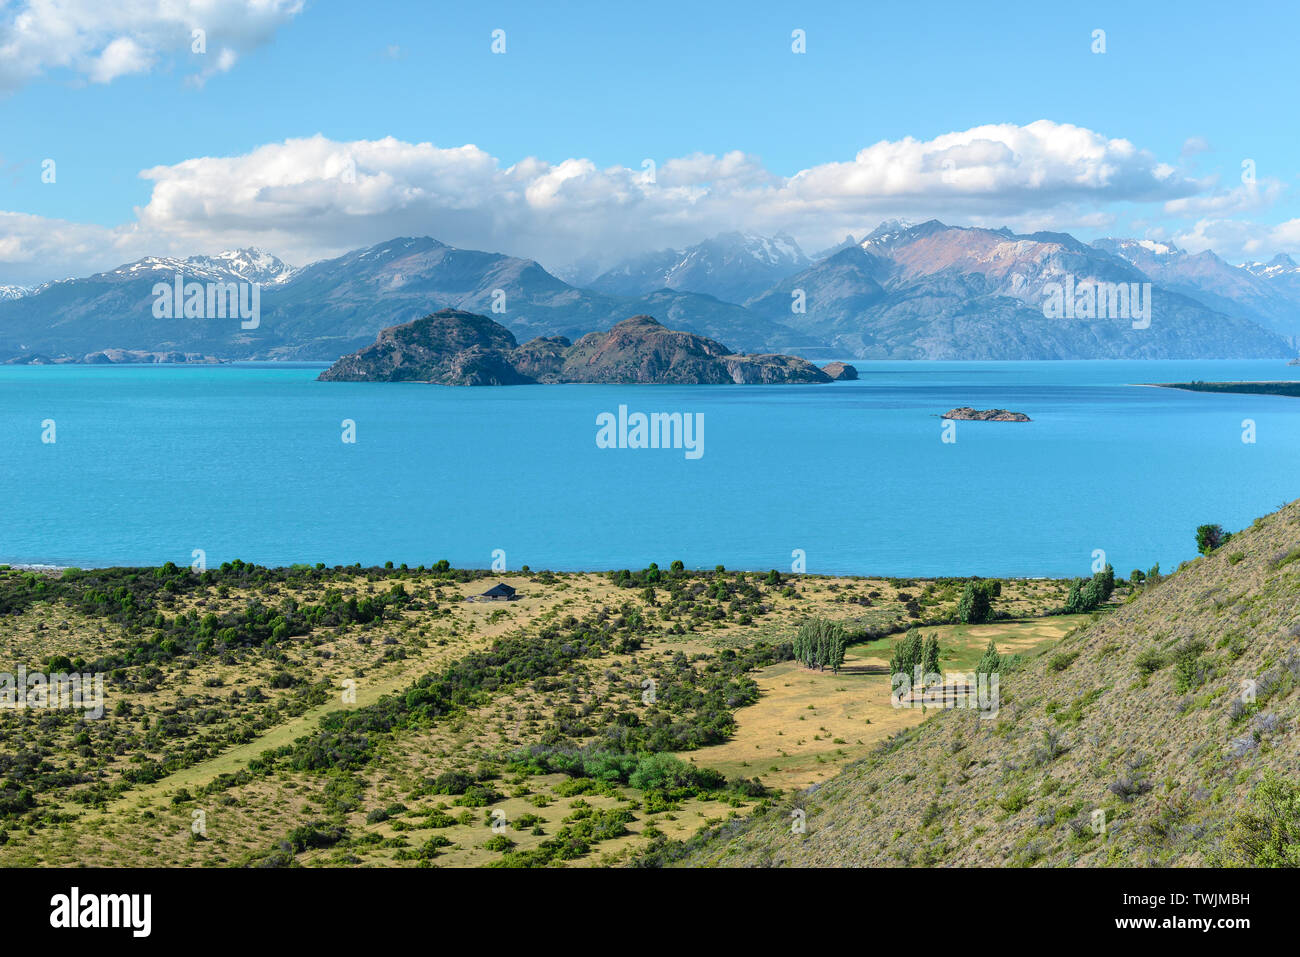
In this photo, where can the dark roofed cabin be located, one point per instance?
(499, 593)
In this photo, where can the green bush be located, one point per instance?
(1150, 661)
(1060, 662)
(1267, 833)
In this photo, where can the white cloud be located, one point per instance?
(102, 41)
(34, 248)
(313, 197)
(1239, 199)
(1237, 240)
(120, 58)
(316, 196)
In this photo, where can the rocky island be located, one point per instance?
(967, 414)
(452, 347)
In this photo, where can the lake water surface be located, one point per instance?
(151, 463)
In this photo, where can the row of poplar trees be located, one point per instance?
(820, 644)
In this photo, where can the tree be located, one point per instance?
(820, 644)
(990, 662)
(908, 654)
(1094, 592)
(1210, 537)
(1087, 595)
(974, 606)
(930, 665)
(1107, 581)
(1074, 600)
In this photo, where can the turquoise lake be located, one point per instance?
(247, 461)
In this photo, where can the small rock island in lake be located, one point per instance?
(452, 347)
(966, 413)
(840, 371)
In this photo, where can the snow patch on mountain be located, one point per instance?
(239, 265)
(1279, 265)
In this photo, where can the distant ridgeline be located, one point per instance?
(451, 347)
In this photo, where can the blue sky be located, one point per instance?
(1195, 88)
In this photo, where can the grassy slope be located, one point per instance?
(1169, 767)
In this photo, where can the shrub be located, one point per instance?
(1128, 786)
(1150, 661)
(1187, 671)
(1267, 833)
(1015, 800)
(1061, 661)
(1210, 537)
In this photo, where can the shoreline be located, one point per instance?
(1286, 388)
(517, 572)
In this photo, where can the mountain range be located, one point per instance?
(732, 266)
(932, 291)
(905, 291)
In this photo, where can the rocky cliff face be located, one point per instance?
(449, 347)
(452, 347)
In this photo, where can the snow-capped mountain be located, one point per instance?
(896, 232)
(335, 306)
(251, 265)
(731, 266)
(1279, 265)
(12, 292)
(1267, 294)
(246, 265)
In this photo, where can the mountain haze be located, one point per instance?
(732, 266)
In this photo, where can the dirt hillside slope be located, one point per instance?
(1144, 716)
